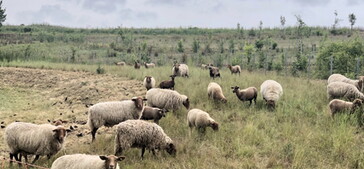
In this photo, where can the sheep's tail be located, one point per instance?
(89, 121)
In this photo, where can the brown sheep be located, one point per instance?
(214, 72)
(234, 69)
(249, 93)
(137, 65)
(337, 105)
(153, 113)
(168, 84)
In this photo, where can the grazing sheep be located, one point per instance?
(214, 91)
(234, 69)
(111, 113)
(214, 72)
(168, 84)
(151, 113)
(341, 89)
(200, 120)
(120, 63)
(149, 82)
(149, 65)
(340, 78)
(33, 139)
(166, 99)
(249, 93)
(180, 70)
(137, 65)
(85, 161)
(271, 92)
(144, 135)
(337, 105)
(206, 66)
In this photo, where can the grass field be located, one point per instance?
(298, 134)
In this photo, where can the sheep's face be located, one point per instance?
(59, 134)
(171, 149)
(176, 67)
(271, 104)
(111, 162)
(163, 112)
(214, 126)
(223, 100)
(172, 77)
(357, 102)
(235, 89)
(148, 79)
(186, 103)
(138, 101)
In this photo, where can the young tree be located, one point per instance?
(195, 45)
(283, 22)
(2, 13)
(180, 48)
(352, 19)
(260, 28)
(336, 23)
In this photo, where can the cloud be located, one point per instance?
(53, 14)
(129, 14)
(167, 2)
(103, 6)
(312, 2)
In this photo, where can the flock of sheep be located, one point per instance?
(132, 131)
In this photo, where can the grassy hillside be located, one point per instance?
(298, 134)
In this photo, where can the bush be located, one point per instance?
(100, 70)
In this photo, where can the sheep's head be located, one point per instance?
(162, 112)
(171, 149)
(138, 101)
(235, 89)
(176, 67)
(357, 103)
(360, 84)
(186, 102)
(173, 76)
(111, 161)
(224, 100)
(59, 133)
(214, 125)
(229, 66)
(271, 104)
(148, 79)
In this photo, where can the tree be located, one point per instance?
(352, 19)
(260, 28)
(195, 46)
(283, 22)
(336, 23)
(180, 47)
(2, 13)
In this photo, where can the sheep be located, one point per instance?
(249, 93)
(111, 113)
(234, 69)
(214, 72)
(271, 92)
(85, 161)
(33, 139)
(149, 65)
(340, 78)
(341, 89)
(337, 105)
(168, 84)
(120, 63)
(200, 120)
(214, 91)
(149, 82)
(144, 135)
(166, 99)
(206, 66)
(180, 70)
(137, 65)
(361, 78)
(151, 113)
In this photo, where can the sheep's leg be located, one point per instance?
(250, 102)
(255, 100)
(35, 159)
(93, 133)
(143, 151)
(153, 151)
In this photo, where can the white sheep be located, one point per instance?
(341, 89)
(214, 91)
(144, 135)
(166, 99)
(120, 63)
(341, 78)
(153, 113)
(33, 139)
(111, 113)
(200, 120)
(180, 70)
(337, 105)
(149, 82)
(85, 161)
(149, 65)
(234, 69)
(271, 92)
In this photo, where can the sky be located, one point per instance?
(181, 13)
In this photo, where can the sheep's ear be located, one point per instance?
(55, 130)
(232, 87)
(134, 98)
(68, 130)
(103, 158)
(145, 99)
(121, 158)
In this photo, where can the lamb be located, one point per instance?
(234, 69)
(149, 65)
(214, 72)
(151, 113)
(249, 93)
(341, 89)
(166, 99)
(200, 120)
(137, 65)
(111, 113)
(149, 82)
(168, 84)
(206, 66)
(144, 135)
(271, 92)
(120, 63)
(180, 70)
(340, 78)
(337, 105)
(214, 91)
(85, 161)
(33, 139)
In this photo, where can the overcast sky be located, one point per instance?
(176, 13)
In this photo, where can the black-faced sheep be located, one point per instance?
(234, 69)
(85, 161)
(144, 135)
(180, 70)
(337, 105)
(149, 82)
(149, 65)
(214, 91)
(111, 113)
(341, 78)
(343, 90)
(271, 92)
(120, 63)
(200, 120)
(152, 113)
(214, 72)
(137, 65)
(166, 99)
(33, 139)
(168, 84)
(249, 93)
